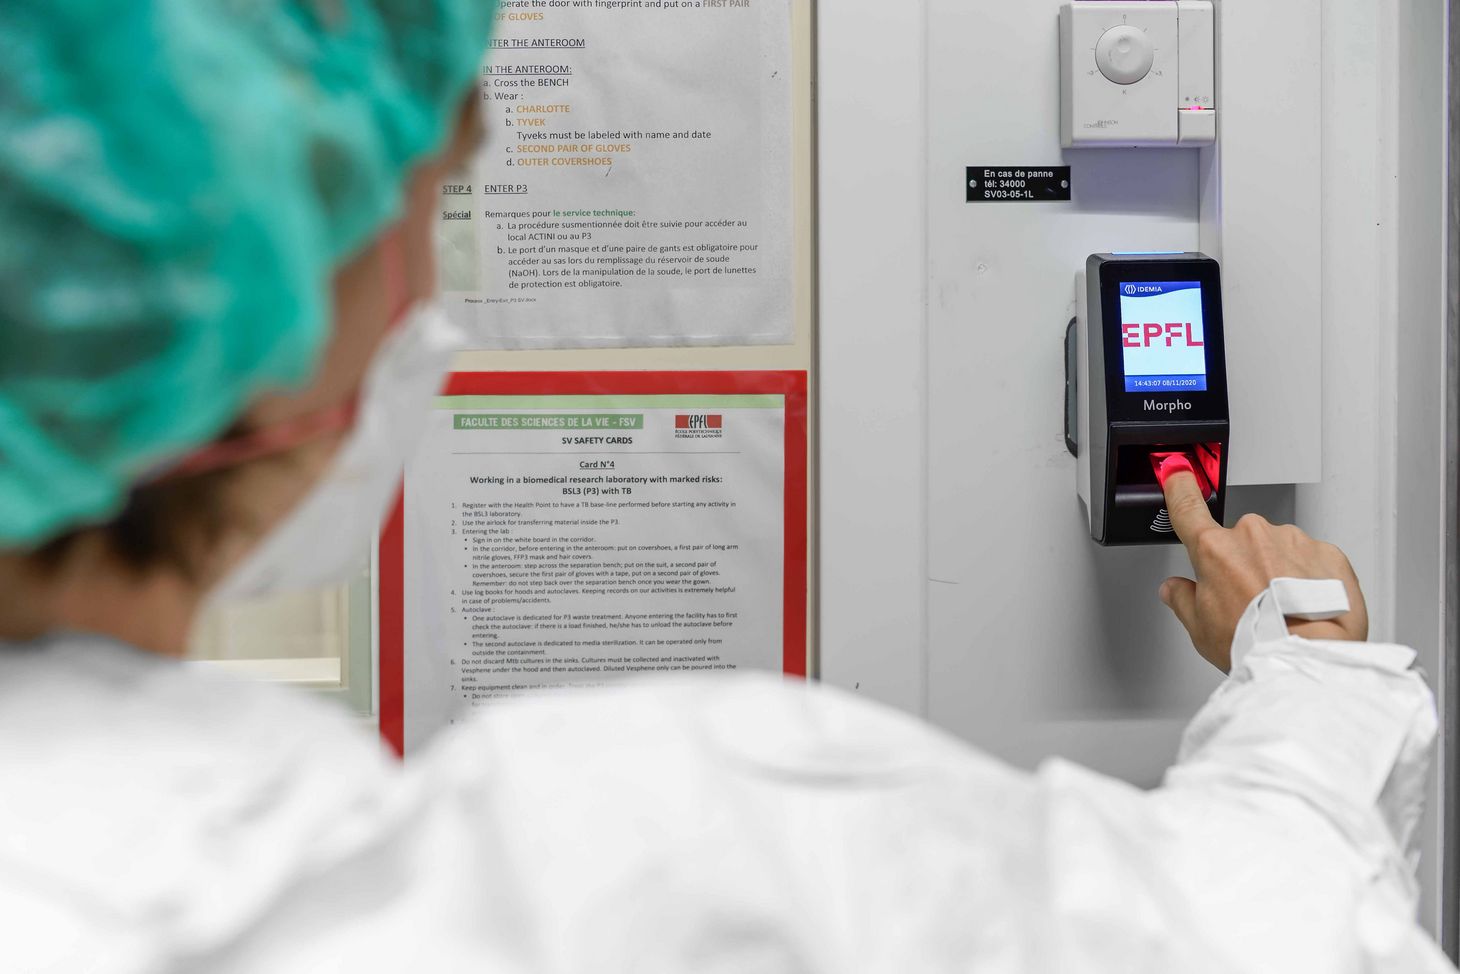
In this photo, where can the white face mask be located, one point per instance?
(319, 542)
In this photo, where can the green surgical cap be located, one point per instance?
(178, 181)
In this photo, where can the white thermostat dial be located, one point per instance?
(1153, 80)
(1124, 55)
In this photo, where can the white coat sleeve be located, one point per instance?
(1346, 729)
(1314, 756)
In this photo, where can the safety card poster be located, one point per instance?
(569, 530)
(636, 185)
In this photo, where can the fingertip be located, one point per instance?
(1186, 505)
(1166, 464)
(1164, 592)
(1180, 486)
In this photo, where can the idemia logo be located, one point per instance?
(701, 426)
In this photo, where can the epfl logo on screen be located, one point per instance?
(1175, 334)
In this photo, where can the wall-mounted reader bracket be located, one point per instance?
(1072, 386)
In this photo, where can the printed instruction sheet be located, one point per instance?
(568, 540)
(636, 186)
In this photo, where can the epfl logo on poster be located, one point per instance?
(699, 426)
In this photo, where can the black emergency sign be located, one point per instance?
(1017, 184)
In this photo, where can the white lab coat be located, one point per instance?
(152, 820)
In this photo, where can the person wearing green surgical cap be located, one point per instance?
(218, 340)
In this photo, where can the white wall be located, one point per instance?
(1382, 494)
(1040, 642)
(959, 581)
(871, 348)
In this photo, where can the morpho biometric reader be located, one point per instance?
(1145, 378)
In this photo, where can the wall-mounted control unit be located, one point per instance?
(1138, 73)
(1146, 378)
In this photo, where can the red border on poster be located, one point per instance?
(791, 384)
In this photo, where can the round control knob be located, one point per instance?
(1124, 55)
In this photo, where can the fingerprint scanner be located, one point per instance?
(1167, 464)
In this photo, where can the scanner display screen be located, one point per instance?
(1162, 340)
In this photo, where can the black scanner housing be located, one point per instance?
(1126, 503)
